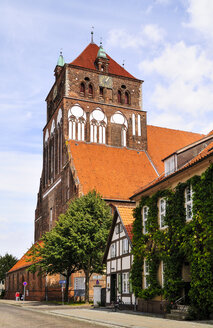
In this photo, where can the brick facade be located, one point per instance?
(59, 182)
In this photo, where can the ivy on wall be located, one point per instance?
(180, 242)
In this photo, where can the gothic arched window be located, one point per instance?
(98, 122)
(127, 98)
(82, 88)
(119, 118)
(90, 90)
(77, 119)
(46, 157)
(119, 96)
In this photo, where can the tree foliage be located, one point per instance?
(6, 263)
(77, 241)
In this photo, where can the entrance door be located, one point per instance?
(113, 293)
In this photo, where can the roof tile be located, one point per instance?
(114, 172)
(88, 56)
(126, 214)
(25, 260)
(163, 142)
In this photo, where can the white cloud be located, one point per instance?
(183, 90)
(150, 34)
(179, 61)
(200, 16)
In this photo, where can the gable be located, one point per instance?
(87, 59)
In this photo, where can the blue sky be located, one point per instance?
(166, 43)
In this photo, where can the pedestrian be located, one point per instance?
(17, 296)
(21, 297)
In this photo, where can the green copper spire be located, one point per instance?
(101, 52)
(60, 60)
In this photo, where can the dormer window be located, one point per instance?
(90, 90)
(82, 89)
(170, 165)
(127, 98)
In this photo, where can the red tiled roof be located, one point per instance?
(163, 142)
(126, 214)
(114, 172)
(201, 156)
(87, 58)
(23, 262)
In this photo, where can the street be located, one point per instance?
(40, 314)
(17, 317)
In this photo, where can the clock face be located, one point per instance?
(105, 81)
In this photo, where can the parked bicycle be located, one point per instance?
(117, 305)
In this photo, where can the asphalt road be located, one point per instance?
(17, 317)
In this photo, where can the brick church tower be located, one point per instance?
(95, 137)
(93, 102)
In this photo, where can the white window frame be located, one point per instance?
(146, 273)
(125, 246)
(188, 202)
(113, 250)
(145, 211)
(125, 283)
(162, 212)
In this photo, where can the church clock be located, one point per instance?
(105, 81)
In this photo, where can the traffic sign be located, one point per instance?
(61, 282)
(25, 283)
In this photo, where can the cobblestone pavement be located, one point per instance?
(106, 318)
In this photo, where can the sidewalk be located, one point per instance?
(107, 317)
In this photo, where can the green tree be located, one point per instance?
(77, 241)
(55, 254)
(6, 263)
(89, 219)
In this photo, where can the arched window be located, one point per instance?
(101, 91)
(119, 118)
(98, 123)
(90, 90)
(119, 96)
(52, 151)
(77, 119)
(127, 98)
(46, 157)
(82, 88)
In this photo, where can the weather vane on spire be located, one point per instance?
(61, 51)
(92, 34)
(123, 63)
(101, 41)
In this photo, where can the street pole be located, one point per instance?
(24, 294)
(62, 290)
